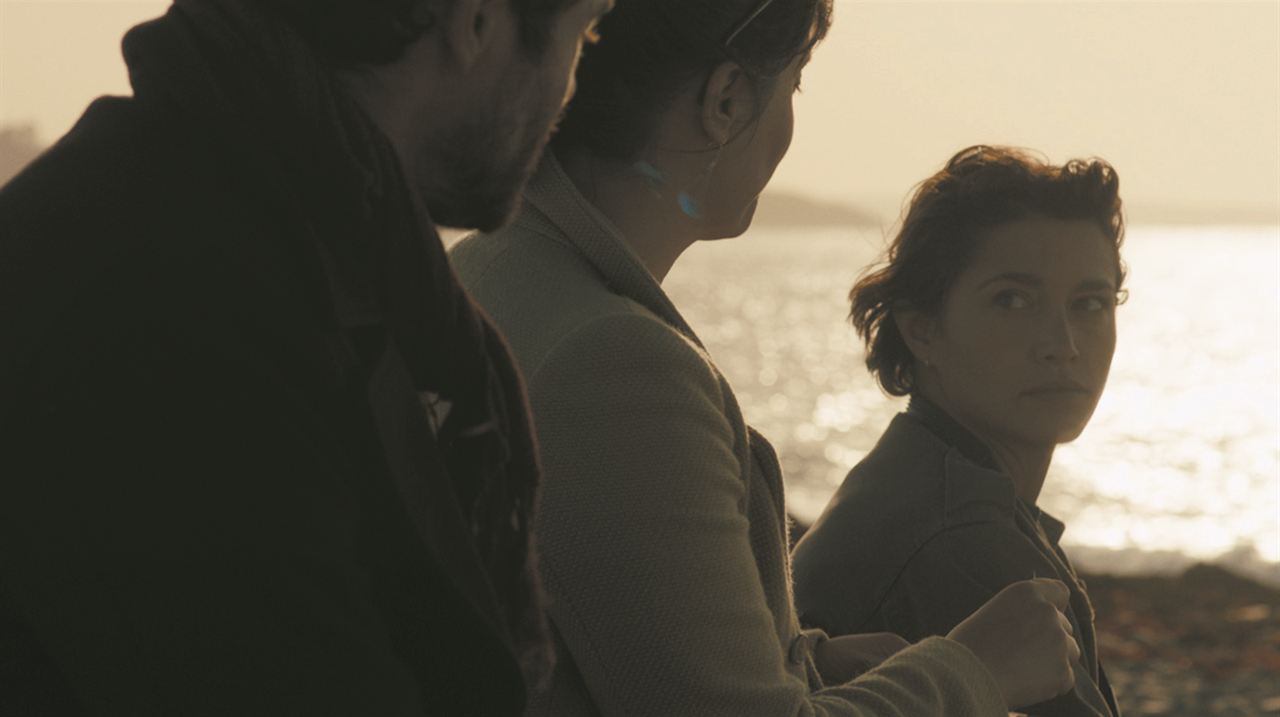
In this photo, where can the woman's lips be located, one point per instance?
(1054, 388)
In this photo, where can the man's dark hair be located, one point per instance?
(352, 33)
(979, 189)
(651, 49)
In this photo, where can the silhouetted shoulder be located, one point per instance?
(136, 224)
(124, 192)
(122, 163)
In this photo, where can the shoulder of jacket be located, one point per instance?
(552, 305)
(628, 331)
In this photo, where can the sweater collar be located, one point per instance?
(577, 222)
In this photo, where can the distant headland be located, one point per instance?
(783, 208)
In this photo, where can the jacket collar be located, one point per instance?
(973, 482)
(969, 486)
(1053, 528)
(951, 432)
(576, 222)
(554, 208)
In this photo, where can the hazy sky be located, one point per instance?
(1184, 98)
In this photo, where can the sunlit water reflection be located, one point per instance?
(1182, 459)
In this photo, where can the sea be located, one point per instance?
(1181, 462)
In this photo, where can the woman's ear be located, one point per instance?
(918, 330)
(727, 102)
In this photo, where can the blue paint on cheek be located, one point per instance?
(649, 172)
(654, 178)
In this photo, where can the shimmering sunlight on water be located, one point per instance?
(1182, 459)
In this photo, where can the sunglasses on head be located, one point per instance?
(745, 23)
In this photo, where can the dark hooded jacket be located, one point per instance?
(224, 320)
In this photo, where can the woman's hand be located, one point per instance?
(1025, 640)
(840, 659)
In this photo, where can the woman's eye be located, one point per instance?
(1093, 303)
(1011, 300)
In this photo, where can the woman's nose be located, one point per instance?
(1057, 341)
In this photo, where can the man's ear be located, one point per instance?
(918, 330)
(728, 102)
(470, 29)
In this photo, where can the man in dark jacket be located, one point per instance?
(259, 454)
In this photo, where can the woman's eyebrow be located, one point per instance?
(1096, 285)
(1015, 277)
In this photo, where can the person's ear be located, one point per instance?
(728, 102)
(918, 330)
(470, 29)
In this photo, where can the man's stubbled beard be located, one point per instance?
(477, 174)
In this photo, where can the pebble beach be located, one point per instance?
(1205, 643)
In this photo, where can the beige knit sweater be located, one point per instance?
(661, 524)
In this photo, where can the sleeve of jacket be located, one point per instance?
(177, 539)
(645, 547)
(955, 573)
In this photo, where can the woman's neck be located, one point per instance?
(649, 220)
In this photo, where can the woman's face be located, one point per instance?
(749, 160)
(1021, 349)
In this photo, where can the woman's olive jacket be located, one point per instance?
(923, 532)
